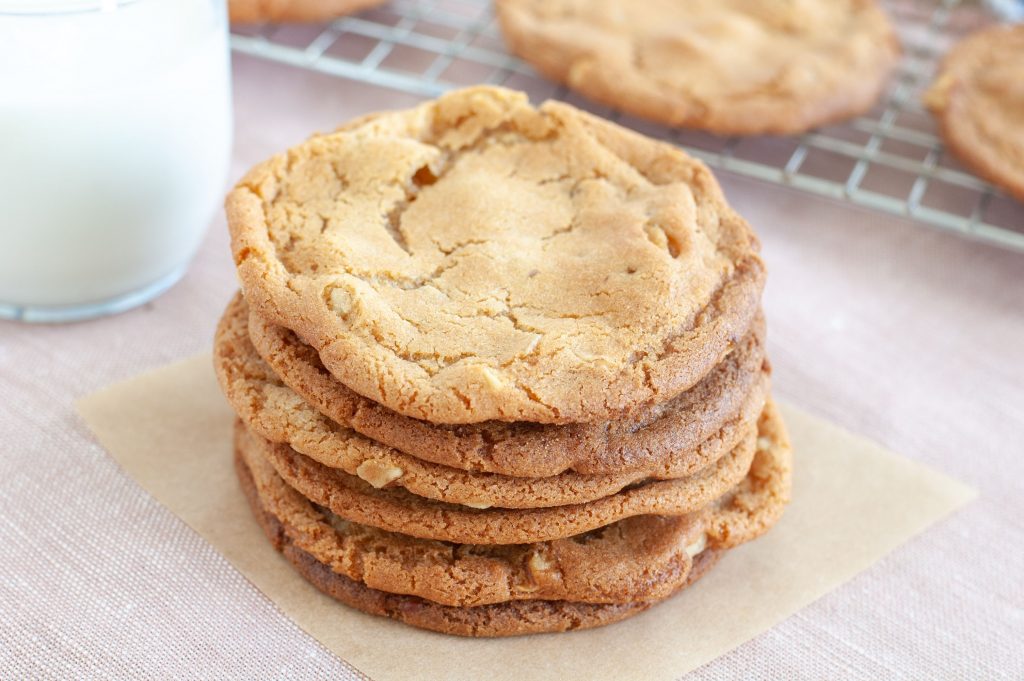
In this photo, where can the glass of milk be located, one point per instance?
(115, 135)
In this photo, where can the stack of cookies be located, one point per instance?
(498, 369)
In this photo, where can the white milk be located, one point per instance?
(115, 130)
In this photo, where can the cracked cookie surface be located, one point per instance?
(478, 259)
(728, 66)
(978, 99)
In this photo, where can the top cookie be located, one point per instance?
(476, 259)
(739, 67)
(978, 98)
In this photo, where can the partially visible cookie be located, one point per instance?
(978, 99)
(515, 618)
(640, 558)
(276, 413)
(476, 258)
(277, 11)
(662, 435)
(273, 411)
(397, 510)
(756, 504)
(500, 619)
(739, 67)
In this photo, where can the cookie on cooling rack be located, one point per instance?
(282, 11)
(978, 99)
(739, 67)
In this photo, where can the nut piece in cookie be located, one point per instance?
(378, 474)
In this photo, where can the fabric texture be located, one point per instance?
(892, 330)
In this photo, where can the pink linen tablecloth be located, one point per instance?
(893, 330)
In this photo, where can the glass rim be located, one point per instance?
(38, 8)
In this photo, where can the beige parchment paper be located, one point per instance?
(853, 502)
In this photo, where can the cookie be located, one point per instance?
(756, 504)
(396, 510)
(654, 436)
(277, 11)
(515, 618)
(640, 558)
(477, 259)
(501, 619)
(736, 67)
(276, 413)
(978, 99)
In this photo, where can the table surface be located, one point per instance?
(912, 337)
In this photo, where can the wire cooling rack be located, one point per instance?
(889, 159)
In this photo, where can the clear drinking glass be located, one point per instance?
(115, 136)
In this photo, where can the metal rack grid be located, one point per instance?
(889, 159)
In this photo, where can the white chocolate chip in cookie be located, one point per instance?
(378, 474)
(341, 300)
(696, 547)
(542, 569)
(491, 377)
(532, 345)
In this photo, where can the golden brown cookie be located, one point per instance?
(663, 434)
(500, 619)
(278, 414)
(476, 259)
(396, 510)
(739, 67)
(514, 618)
(641, 558)
(978, 99)
(756, 504)
(277, 11)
